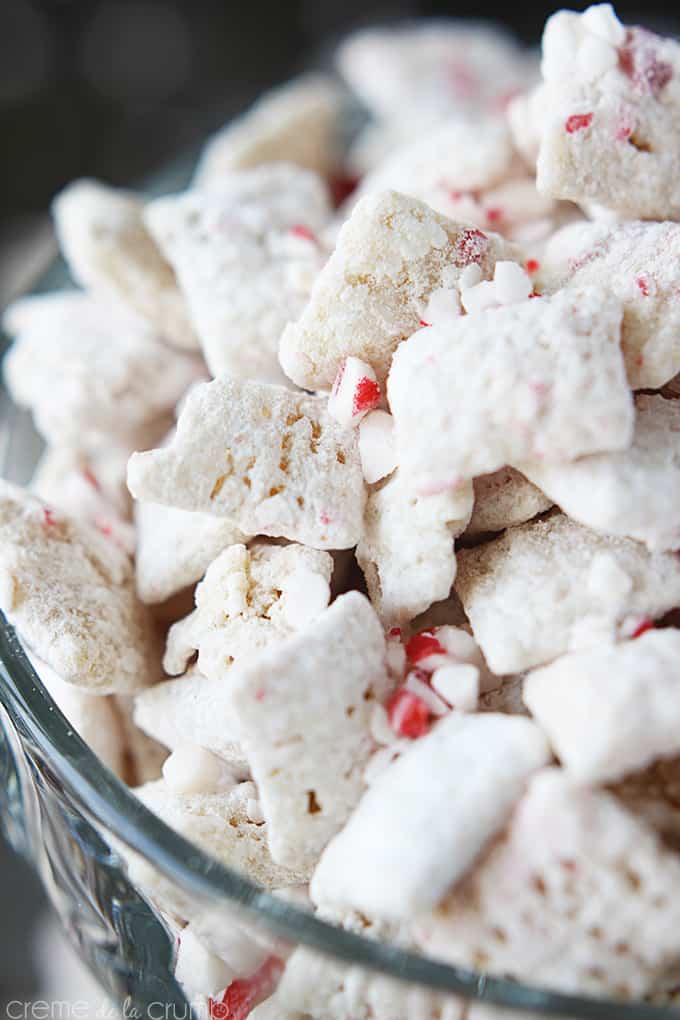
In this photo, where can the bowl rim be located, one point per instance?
(106, 799)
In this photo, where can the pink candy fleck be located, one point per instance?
(644, 285)
(533, 265)
(300, 230)
(91, 478)
(49, 518)
(471, 247)
(494, 215)
(244, 994)
(577, 122)
(103, 525)
(408, 714)
(638, 60)
(422, 322)
(324, 517)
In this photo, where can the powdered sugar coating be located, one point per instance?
(391, 254)
(88, 370)
(582, 893)
(270, 460)
(502, 500)
(406, 551)
(175, 548)
(475, 764)
(191, 709)
(541, 379)
(424, 71)
(552, 586)
(633, 492)
(610, 710)
(615, 106)
(302, 712)
(244, 603)
(246, 253)
(639, 263)
(296, 123)
(69, 592)
(109, 251)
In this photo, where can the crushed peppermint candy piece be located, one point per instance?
(355, 392)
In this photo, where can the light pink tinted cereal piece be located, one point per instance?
(218, 824)
(406, 551)
(355, 392)
(613, 103)
(552, 586)
(463, 154)
(270, 460)
(391, 254)
(69, 592)
(109, 251)
(540, 380)
(92, 716)
(640, 264)
(477, 766)
(246, 254)
(89, 370)
(90, 487)
(175, 548)
(295, 123)
(633, 492)
(579, 896)
(610, 710)
(430, 70)
(302, 711)
(503, 499)
(247, 599)
(191, 709)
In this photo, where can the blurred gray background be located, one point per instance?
(113, 88)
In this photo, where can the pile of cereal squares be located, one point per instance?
(355, 546)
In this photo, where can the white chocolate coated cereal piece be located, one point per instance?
(579, 896)
(89, 370)
(176, 547)
(246, 253)
(295, 123)
(406, 551)
(192, 709)
(69, 592)
(475, 765)
(270, 460)
(109, 251)
(217, 823)
(610, 710)
(633, 492)
(613, 103)
(503, 499)
(200, 973)
(431, 69)
(552, 586)
(90, 487)
(640, 264)
(92, 716)
(391, 254)
(302, 711)
(247, 599)
(541, 379)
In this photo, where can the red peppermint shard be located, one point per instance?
(642, 627)
(577, 122)
(533, 265)
(244, 994)
(471, 247)
(420, 646)
(366, 395)
(408, 714)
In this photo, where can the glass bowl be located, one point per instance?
(64, 811)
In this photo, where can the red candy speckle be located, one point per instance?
(395, 632)
(366, 395)
(103, 525)
(342, 186)
(324, 517)
(408, 714)
(643, 285)
(244, 994)
(577, 122)
(638, 60)
(423, 323)
(338, 379)
(533, 265)
(299, 230)
(91, 479)
(49, 518)
(642, 627)
(420, 646)
(471, 247)
(494, 215)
